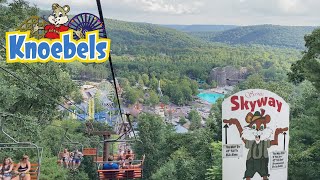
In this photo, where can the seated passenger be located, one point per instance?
(131, 166)
(129, 154)
(71, 159)
(120, 160)
(77, 158)
(22, 169)
(65, 158)
(110, 165)
(6, 169)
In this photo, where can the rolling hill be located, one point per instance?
(201, 28)
(270, 35)
(144, 38)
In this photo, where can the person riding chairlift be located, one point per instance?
(129, 154)
(70, 160)
(65, 158)
(77, 159)
(110, 165)
(129, 165)
(121, 160)
(22, 169)
(6, 169)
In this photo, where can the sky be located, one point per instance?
(187, 12)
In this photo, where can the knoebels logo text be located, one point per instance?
(21, 48)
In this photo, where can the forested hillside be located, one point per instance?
(148, 39)
(270, 35)
(201, 28)
(143, 55)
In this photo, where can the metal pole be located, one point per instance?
(105, 147)
(5, 132)
(62, 140)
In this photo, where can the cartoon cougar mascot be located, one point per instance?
(57, 20)
(257, 138)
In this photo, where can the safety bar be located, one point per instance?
(133, 161)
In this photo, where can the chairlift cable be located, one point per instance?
(110, 59)
(39, 91)
(29, 68)
(130, 124)
(111, 66)
(53, 88)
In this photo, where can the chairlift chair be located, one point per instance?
(35, 167)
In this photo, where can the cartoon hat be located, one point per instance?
(257, 115)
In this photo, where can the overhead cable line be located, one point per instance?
(54, 88)
(110, 59)
(39, 91)
(30, 69)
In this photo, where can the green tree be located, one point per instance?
(182, 121)
(215, 172)
(154, 83)
(181, 166)
(154, 98)
(165, 99)
(50, 170)
(77, 96)
(140, 82)
(166, 171)
(132, 95)
(215, 120)
(214, 84)
(195, 120)
(145, 79)
(152, 132)
(309, 66)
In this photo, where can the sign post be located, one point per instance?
(256, 136)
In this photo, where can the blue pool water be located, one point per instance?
(210, 97)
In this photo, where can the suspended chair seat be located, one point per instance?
(33, 171)
(98, 159)
(89, 151)
(120, 174)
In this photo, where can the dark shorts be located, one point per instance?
(76, 160)
(7, 175)
(257, 166)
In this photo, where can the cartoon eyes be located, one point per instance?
(60, 14)
(254, 126)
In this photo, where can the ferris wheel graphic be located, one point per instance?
(85, 22)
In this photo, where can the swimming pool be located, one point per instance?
(210, 97)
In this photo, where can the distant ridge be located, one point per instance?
(270, 35)
(201, 28)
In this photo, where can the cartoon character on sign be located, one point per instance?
(57, 20)
(257, 138)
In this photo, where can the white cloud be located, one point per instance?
(244, 12)
(274, 7)
(171, 7)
